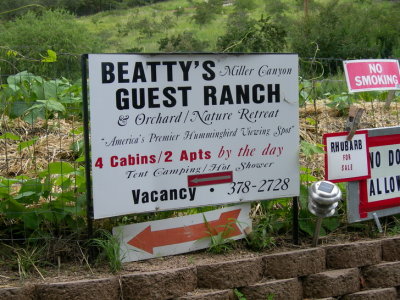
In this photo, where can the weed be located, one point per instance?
(239, 295)
(219, 241)
(27, 259)
(110, 249)
(259, 238)
(395, 227)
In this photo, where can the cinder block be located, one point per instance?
(209, 295)
(391, 249)
(231, 274)
(331, 283)
(382, 275)
(83, 289)
(159, 285)
(294, 263)
(283, 289)
(353, 255)
(377, 294)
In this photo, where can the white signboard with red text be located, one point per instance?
(171, 131)
(372, 74)
(346, 160)
(379, 194)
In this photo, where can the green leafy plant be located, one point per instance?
(218, 235)
(341, 102)
(110, 250)
(31, 97)
(239, 295)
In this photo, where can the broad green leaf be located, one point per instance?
(60, 168)
(331, 223)
(10, 136)
(27, 144)
(49, 105)
(33, 114)
(18, 108)
(50, 90)
(309, 149)
(77, 131)
(31, 220)
(11, 208)
(51, 57)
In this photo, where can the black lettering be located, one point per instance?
(274, 93)
(169, 65)
(207, 65)
(209, 93)
(185, 69)
(122, 102)
(138, 102)
(184, 90)
(153, 69)
(107, 72)
(121, 72)
(138, 73)
(153, 96)
(136, 195)
(171, 101)
(226, 95)
(242, 94)
(256, 98)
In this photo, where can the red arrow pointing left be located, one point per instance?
(147, 240)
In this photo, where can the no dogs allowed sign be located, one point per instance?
(171, 131)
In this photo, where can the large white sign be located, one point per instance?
(185, 130)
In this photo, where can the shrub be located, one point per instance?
(31, 35)
(246, 35)
(183, 42)
(207, 11)
(347, 30)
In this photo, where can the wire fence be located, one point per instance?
(42, 173)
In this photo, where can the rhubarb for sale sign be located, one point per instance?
(372, 74)
(171, 131)
(346, 160)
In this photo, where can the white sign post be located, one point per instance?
(178, 131)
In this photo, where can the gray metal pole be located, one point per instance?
(316, 232)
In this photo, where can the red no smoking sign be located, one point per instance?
(372, 74)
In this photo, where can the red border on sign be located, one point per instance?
(325, 136)
(366, 206)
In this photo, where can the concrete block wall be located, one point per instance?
(352, 271)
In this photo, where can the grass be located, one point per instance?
(117, 27)
(106, 24)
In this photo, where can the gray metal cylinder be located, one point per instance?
(323, 198)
